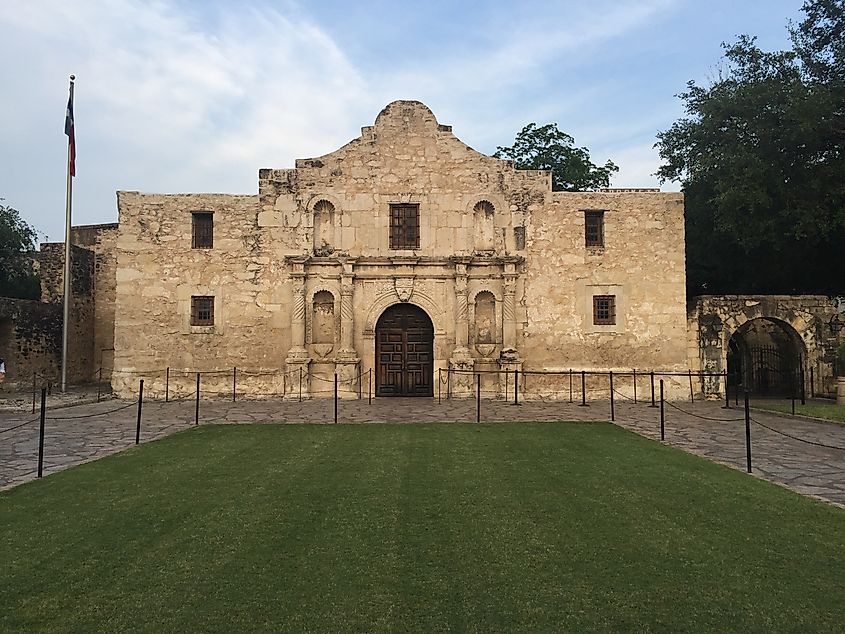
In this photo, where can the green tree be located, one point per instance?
(760, 157)
(547, 148)
(17, 242)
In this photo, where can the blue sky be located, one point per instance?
(194, 96)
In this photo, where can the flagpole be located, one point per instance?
(67, 280)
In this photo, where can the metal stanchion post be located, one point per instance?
(370, 389)
(234, 383)
(439, 382)
(653, 404)
(727, 395)
(140, 405)
(335, 398)
(691, 397)
(99, 382)
(747, 434)
(612, 408)
(570, 385)
(197, 412)
(583, 390)
(516, 386)
(662, 419)
(635, 386)
(477, 398)
(300, 384)
(167, 385)
(41, 431)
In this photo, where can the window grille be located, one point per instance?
(202, 230)
(202, 311)
(604, 310)
(404, 226)
(594, 228)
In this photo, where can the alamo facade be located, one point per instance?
(398, 257)
(404, 252)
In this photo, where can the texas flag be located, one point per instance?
(71, 139)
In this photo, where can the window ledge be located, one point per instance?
(203, 330)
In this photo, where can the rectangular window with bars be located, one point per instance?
(404, 226)
(202, 230)
(202, 311)
(604, 310)
(594, 228)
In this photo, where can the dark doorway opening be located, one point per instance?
(765, 357)
(404, 352)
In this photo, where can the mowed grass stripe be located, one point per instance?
(520, 527)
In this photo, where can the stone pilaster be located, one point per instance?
(297, 379)
(347, 362)
(461, 362)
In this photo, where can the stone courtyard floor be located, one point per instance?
(79, 433)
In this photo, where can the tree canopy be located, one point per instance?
(547, 148)
(17, 242)
(760, 157)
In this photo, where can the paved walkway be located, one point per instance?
(85, 432)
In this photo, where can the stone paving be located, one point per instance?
(78, 434)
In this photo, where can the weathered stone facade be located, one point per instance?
(793, 330)
(31, 331)
(301, 274)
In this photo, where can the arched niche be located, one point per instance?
(483, 214)
(325, 222)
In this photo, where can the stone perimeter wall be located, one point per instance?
(713, 319)
(324, 226)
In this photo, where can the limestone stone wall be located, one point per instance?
(641, 265)
(714, 319)
(50, 265)
(501, 268)
(30, 341)
(158, 272)
(101, 240)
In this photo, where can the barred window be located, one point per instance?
(202, 311)
(604, 310)
(404, 226)
(594, 228)
(202, 230)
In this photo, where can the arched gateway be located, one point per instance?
(404, 352)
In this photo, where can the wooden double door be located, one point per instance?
(404, 352)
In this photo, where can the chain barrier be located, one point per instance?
(804, 440)
(111, 411)
(8, 429)
(720, 420)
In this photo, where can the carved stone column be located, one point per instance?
(346, 360)
(509, 357)
(509, 309)
(461, 362)
(297, 361)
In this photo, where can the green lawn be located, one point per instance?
(424, 528)
(816, 409)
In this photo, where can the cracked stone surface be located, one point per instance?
(81, 433)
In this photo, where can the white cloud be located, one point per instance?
(173, 101)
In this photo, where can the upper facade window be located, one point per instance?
(594, 228)
(202, 310)
(202, 230)
(604, 310)
(405, 226)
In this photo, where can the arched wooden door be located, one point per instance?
(404, 352)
